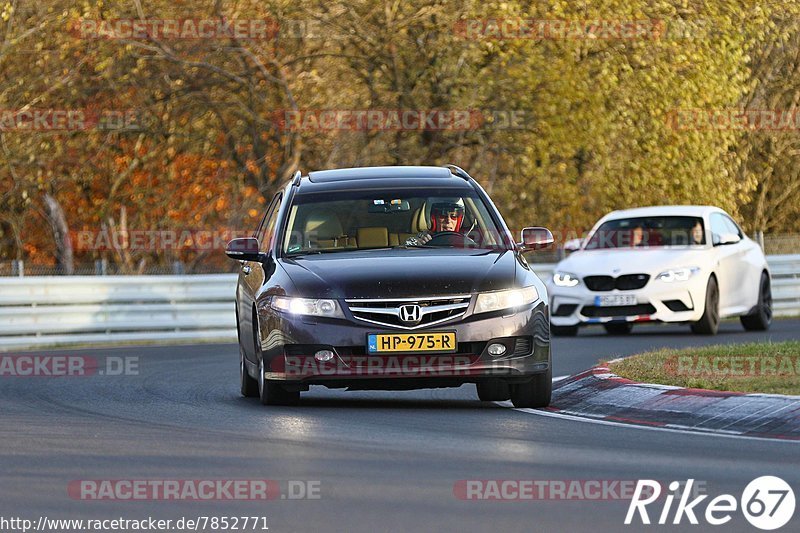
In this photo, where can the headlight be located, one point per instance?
(307, 306)
(497, 300)
(678, 274)
(565, 279)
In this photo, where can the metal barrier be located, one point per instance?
(54, 310)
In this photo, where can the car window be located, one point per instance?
(267, 227)
(643, 232)
(732, 226)
(356, 220)
(720, 224)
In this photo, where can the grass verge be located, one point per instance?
(772, 368)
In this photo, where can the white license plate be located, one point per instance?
(614, 300)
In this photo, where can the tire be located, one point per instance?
(762, 317)
(618, 328)
(493, 390)
(272, 393)
(709, 322)
(534, 393)
(563, 331)
(249, 386)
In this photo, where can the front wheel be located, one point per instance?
(709, 322)
(249, 386)
(493, 390)
(618, 328)
(534, 393)
(762, 317)
(272, 393)
(564, 331)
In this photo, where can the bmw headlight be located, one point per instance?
(498, 300)
(308, 306)
(678, 274)
(565, 279)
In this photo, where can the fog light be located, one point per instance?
(323, 355)
(496, 349)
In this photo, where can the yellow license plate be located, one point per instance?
(442, 342)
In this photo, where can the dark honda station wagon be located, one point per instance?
(390, 278)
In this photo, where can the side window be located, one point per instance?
(267, 228)
(732, 226)
(718, 227)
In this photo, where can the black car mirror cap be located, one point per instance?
(535, 238)
(245, 249)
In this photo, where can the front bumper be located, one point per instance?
(289, 343)
(657, 301)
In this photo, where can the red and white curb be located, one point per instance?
(600, 396)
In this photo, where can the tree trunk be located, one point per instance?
(61, 237)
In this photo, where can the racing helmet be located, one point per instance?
(454, 208)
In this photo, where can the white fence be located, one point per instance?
(50, 311)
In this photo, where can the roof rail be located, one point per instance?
(458, 171)
(296, 178)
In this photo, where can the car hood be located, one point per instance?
(632, 261)
(400, 273)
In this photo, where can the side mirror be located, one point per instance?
(245, 249)
(725, 238)
(572, 245)
(535, 238)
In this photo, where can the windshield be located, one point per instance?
(358, 220)
(644, 232)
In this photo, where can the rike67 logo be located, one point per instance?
(767, 503)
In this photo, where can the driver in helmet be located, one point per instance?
(446, 216)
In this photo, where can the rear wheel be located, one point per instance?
(618, 328)
(534, 393)
(493, 390)
(564, 331)
(709, 322)
(762, 317)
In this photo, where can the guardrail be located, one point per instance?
(55, 310)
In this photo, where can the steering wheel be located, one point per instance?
(451, 238)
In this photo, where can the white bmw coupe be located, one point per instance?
(687, 264)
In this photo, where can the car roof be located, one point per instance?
(381, 178)
(664, 210)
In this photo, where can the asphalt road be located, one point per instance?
(384, 461)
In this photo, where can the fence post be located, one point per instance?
(101, 267)
(178, 268)
(18, 268)
(760, 239)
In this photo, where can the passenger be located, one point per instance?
(637, 236)
(697, 235)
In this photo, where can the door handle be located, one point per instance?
(246, 269)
